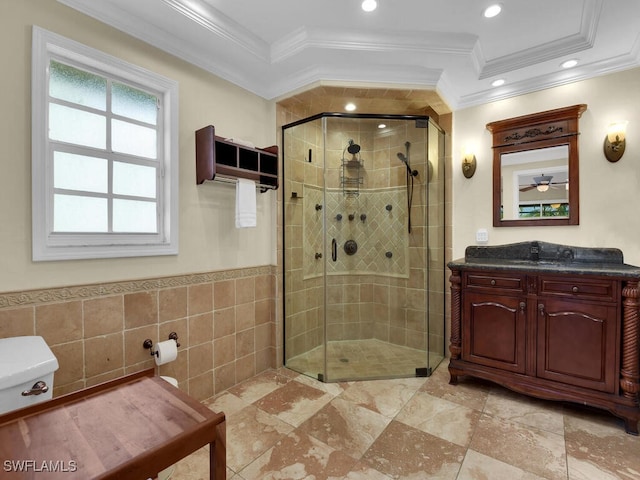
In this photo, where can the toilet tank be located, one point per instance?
(25, 361)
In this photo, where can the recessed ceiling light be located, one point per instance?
(382, 125)
(492, 10)
(569, 63)
(498, 82)
(349, 107)
(369, 5)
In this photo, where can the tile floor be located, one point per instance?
(283, 425)
(359, 359)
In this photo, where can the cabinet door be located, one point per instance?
(577, 343)
(493, 330)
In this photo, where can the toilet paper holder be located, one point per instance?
(148, 344)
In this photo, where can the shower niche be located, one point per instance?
(364, 266)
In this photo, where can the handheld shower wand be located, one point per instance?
(410, 176)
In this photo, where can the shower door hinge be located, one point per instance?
(424, 371)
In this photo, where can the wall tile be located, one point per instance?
(104, 354)
(140, 309)
(224, 294)
(17, 322)
(245, 290)
(172, 303)
(201, 328)
(224, 322)
(97, 331)
(59, 322)
(200, 298)
(71, 363)
(102, 316)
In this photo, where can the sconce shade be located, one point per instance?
(469, 165)
(615, 141)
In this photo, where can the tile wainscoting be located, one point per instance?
(225, 321)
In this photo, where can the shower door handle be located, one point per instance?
(334, 250)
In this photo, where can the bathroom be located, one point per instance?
(224, 293)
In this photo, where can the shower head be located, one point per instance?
(353, 148)
(403, 158)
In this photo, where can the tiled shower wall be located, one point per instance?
(389, 307)
(224, 321)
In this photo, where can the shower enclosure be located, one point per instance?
(363, 226)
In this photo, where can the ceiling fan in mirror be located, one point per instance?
(542, 184)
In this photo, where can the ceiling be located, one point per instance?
(279, 48)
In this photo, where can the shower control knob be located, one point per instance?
(352, 216)
(350, 247)
(388, 254)
(318, 206)
(318, 255)
(389, 208)
(363, 217)
(339, 217)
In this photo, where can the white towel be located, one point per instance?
(245, 203)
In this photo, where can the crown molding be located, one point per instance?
(582, 40)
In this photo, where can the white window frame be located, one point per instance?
(47, 245)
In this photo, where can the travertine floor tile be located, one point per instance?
(469, 392)
(540, 414)
(536, 451)
(441, 418)
(250, 432)
(480, 467)
(598, 447)
(386, 397)
(294, 402)
(299, 456)
(404, 452)
(410, 429)
(346, 426)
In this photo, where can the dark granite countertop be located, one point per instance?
(536, 256)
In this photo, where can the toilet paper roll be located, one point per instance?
(166, 352)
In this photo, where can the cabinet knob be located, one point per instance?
(541, 308)
(575, 289)
(523, 305)
(493, 282)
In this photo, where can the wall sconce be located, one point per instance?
(615, 141)
(468, 164)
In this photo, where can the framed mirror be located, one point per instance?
(536, 169)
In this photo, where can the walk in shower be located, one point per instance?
(363, 226)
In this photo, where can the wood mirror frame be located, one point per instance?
(551, 128)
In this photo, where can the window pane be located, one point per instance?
(77, 86)
(132, 216)
(76, 126)
(79, 172)
(73, 213)
(133, 139)
(133, 103)
(134, 180)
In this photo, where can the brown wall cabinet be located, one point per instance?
(219, 158)
(562, 331)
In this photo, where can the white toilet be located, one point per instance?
(26, 372)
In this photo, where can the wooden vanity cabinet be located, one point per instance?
(571, 336)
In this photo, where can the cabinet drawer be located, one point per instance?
(601, 289)
(494, 280)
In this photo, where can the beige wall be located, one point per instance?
(609, 192)
(208, 239)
